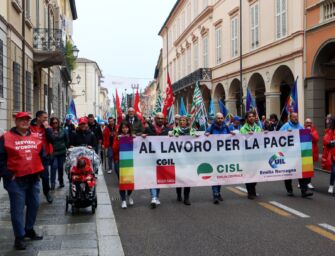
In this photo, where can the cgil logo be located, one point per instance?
(277, 159)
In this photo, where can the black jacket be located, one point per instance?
(96, 129)
(83, 138)
(150, 131)
(137, 126)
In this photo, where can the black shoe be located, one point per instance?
(19, 244)
(290, 193)
(52, 188)
(61, 185)
(49, 198)
(32, 235)
(216, 200)
(220, 197)
(187, 201)
(251, 196)
(179, 198)
(306, 193)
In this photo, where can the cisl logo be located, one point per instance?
(165, 171)
(205, 171)
(277, 159)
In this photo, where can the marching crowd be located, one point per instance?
(35, 150)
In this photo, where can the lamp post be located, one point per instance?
(134, 87)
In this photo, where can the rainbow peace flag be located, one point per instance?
(126, 181)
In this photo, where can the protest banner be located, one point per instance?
(163, 162)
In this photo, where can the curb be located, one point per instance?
(109, 242)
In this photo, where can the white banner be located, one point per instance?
(161, 162)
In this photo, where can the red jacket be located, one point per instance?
(107, 133)
(327, 153)
(315, 140)
(23, 154)
(41, 133)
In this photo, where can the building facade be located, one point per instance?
(86, 92)
(320, 60)
(104, 106)
(32, 41)
(202, 42)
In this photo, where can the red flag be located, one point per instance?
(168, 101)
(136, 106)
(118, 108)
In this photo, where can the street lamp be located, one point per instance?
(134, 87)
(75, 51)
(78, 78)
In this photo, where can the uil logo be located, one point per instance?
(277, 159)
(205, 171)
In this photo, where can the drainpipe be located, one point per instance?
(304, 80)
(23, 55)
(241, 63)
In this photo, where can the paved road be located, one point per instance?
(237, 226)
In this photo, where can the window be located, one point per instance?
(1, 71)
(254, 26)
(16, 87)
(234, 37)
(188, 12)
(196, 55)
(195, 9)
(281, 18)
(218, 45)
(205, 51)
(28, 91)
(189, 63)
(27, 10)
(328, 10)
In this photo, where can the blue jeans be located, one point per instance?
(110, 158)
(332, 175)
(57, 163)
(122, 192)
(45, 177)
(23, 191)
(154, 192)
(216, 190)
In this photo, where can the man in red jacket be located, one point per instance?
(21, 155)
(108, 138)
(40, 128)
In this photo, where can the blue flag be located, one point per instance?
(71, 112)
(251, 104)
(211, 111)
(182, 110)
(223, 108)
(292, 100)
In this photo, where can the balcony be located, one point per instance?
(49, 47)
(201, 74)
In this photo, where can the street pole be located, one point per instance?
(241, 64)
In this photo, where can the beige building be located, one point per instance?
(104, 106)
(201, 42)
(32, 41)
(86, 92)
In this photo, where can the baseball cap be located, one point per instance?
(83, 120)
(22, 115)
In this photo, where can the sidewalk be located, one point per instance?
(66, 234)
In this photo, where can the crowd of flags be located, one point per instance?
(198, 115)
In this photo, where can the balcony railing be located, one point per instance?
(49, 47)
(48, 39)
(201, 74)
(328, 10)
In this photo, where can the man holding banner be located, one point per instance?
(293, 124)
(250, 127)
(156, 129)
(217, 127)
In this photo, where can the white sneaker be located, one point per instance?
(109, 171)
(298, 185)
(310, 186)
(124, 205)
(157, 201)
(153, 202)
(331, 189)
(130, 201)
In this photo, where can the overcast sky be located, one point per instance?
(122, 37)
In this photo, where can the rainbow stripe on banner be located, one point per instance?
(306, 153)
(126, 164)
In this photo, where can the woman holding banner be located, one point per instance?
(250, 127)
(182, 130)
